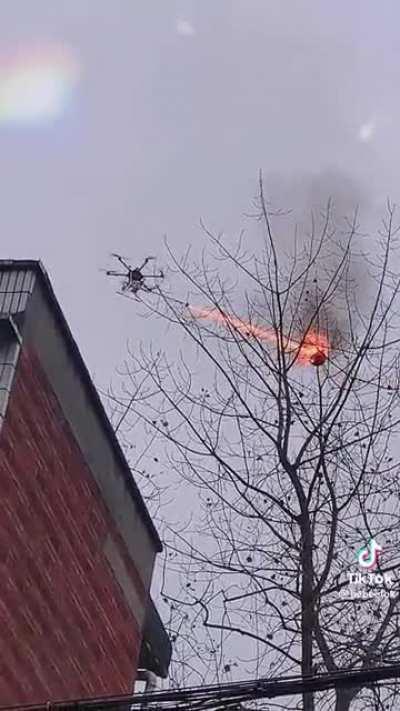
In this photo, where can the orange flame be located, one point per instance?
(312, 349)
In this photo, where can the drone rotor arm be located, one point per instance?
(145, 262)
(121, 260)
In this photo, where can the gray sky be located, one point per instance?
(180, 103)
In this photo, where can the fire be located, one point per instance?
(312, 349)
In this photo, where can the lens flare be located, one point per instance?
(312, 349)
(36, 83)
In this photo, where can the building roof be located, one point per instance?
(156, 649)
(37, 267)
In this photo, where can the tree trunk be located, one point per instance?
(344, 698)
(307, 614)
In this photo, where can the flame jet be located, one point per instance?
(313, 349)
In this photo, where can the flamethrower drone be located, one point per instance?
(313, 349)
(133, 279)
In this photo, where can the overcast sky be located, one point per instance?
(179, 104)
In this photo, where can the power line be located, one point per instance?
(224, 696)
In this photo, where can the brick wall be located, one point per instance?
(66, 630)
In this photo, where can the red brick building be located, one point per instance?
(77, 544)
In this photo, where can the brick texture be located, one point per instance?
(66, 630)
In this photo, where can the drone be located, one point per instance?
(133, 278)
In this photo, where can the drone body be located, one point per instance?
(133, 279)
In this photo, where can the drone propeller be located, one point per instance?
(118, 256)
(112, 273)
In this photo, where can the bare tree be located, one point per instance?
(279, 411)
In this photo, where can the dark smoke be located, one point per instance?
(308, 193)
(304, 195)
